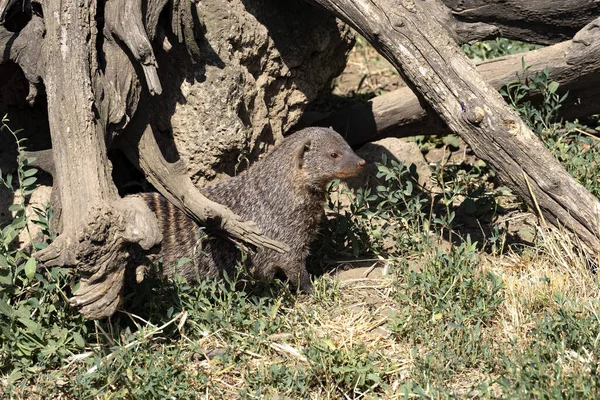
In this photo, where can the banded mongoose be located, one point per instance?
(283, 193)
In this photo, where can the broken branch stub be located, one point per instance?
(434, 66)
(124, 20)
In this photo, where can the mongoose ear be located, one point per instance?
(301, 151)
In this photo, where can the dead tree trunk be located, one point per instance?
(574, 64)
(534, 21)
(97, 226)
(409, 36)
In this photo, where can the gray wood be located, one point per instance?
(97, 225)
(408, 35)
(574, 64)
(535, 21)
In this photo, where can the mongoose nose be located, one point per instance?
(361, 163)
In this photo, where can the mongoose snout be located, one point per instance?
(283, 194)
(349, 165)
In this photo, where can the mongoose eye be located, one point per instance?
(334, 155)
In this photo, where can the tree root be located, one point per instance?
(101, 252)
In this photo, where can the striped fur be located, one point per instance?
(283, 194)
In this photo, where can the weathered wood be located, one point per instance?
(408, 35)
(97, 226)
(573, 64)
(535, 21)
(124, 20)
(24, 48)
(5, 5)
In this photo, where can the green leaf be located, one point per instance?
(30, 268)
(15, 207)
(29, 181)
(40, 246)
(29, 172)
(5, 308)
(9, 234)
(409, 188)
(552, 86)
(33, 326)
(78, 339)
(14, 376)
(6, 277)
(452, 140)
(182, 261)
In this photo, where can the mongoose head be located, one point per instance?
(324, 155)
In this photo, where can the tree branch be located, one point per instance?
(124, 21)
(574, 64)
(24, 48)
(432, 64)
(534, 21)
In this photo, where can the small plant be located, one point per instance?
(498, 47)
(393, 209)
(354, 370)
(543, 117)
(576, 146)
(37, 328)
(446, 289)
(561, 358)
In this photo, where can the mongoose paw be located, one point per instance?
(307, 287)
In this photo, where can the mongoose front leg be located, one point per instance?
(298, 276)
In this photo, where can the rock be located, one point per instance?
(38, 199)
(360, 273)
(262, 62)
(399, 149)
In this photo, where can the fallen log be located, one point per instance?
(574, 64)
(533, 21)
(429, 60)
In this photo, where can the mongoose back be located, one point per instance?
(283, 193)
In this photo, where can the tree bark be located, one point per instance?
(534, 21)
(432, 64)
(575, 64)
(98, 227)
